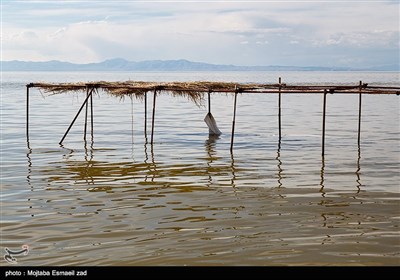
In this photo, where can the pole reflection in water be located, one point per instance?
(153, 164)
(278, 158)
(358, 180)
(89, 151)
(146, 156)
(324, 220)
(29, 174)
(89, 160)
(233, 168)
(70, 151)
(321, 190)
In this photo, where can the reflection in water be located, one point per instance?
(152, 168)
(66, 156)
(146, 155)
(106, 208)
(321, 183)
(278, 158)
(323, 215)
(233, 173)
(326, 240)
(91, 206)
(358, 180)
(210, 144)
(153, 164)
(29, 173)
(89, 160)
(88, 152)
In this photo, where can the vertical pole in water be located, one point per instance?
(86, 113)
(145, 114)
(234, 119)
(154, 113)
(279, 111)
(359, 115)
(132, 126)
(91, 114)
(27, 112)
(209, 101)
(132, 116)
(323, 124)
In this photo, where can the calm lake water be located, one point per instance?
(186, 200)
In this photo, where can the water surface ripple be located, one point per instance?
(114, 199)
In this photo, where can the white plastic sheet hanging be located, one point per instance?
(212, 125)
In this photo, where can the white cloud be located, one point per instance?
(384, 39)
(226, 32)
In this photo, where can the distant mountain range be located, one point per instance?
(119, 64)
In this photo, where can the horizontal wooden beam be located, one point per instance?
(124, 88)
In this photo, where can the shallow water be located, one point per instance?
(186, 200)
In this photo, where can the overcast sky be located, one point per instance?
(300, 33)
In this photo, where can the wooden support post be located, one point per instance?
(279, 112)
(145, 114)
(27, 112)
(91, 115)
(209, 101)
(359, 115)
(132, 118)
(153, 118)
(76, 116)
(323, 124)
(86, 113)
(234, 119)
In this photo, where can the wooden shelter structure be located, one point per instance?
(196, 91)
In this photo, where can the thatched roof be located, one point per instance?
(195, 90)
(192, 90)
(139, 87)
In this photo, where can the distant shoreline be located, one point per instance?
(122, 65)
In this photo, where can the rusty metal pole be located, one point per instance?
(279, 111)
(27, 112)
(209, 101)
(323, 124)
(359, 115)
(76, 116)
(91, 114)
(145, 114)
(234, 119)
(86, 115)
(153, 118)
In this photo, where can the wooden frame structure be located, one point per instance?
(195, 91)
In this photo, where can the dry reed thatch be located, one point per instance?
(194, 91)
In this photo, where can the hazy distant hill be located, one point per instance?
(119, 64)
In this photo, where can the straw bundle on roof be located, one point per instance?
(194, 90)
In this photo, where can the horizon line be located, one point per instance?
(346, 68)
